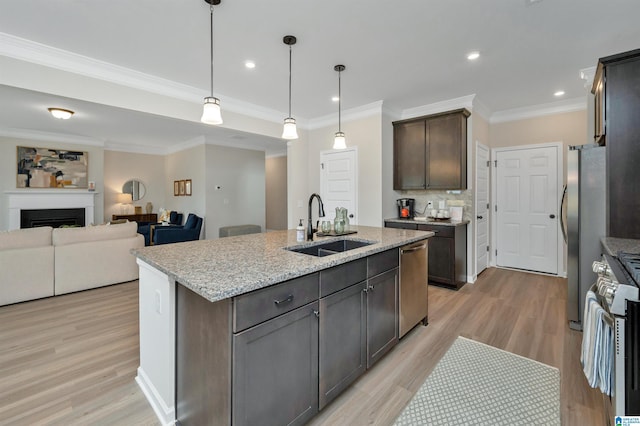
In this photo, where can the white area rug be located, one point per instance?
(477, 384)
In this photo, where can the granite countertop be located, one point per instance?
(430, 221)
(613, 245)
(227, 267)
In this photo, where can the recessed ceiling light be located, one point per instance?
(63, 114)
(335, 99)
(559, 93)
(250, 64)
(472, 56)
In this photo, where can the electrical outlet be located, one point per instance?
(442, 204)
(158, 302)
(299, 204)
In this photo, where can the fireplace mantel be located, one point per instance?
(20, 199)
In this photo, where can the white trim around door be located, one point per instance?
(559, 146)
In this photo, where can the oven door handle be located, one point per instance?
(632, 344)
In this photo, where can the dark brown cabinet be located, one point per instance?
(275, 370)
(278, 355)
(617, 90)
(447, 252)
(142, 217)
(431, 152)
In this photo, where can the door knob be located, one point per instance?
(351, 215)
(479, 217)
(552, 216)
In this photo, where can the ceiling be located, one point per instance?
(407, 54)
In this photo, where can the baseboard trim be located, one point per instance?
(166, 414)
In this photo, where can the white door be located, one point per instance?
(482, 208)
(338, 182)
(527, 204)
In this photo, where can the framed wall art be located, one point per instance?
(176, 188)
(51, 168)
(182, 187)
(187, 187)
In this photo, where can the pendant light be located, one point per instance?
(339, 142)
(211, 109)
(289, 131)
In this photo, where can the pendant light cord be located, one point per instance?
(211, 13)
(289, 81)
(339, 102)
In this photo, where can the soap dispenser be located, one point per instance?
(300, 232)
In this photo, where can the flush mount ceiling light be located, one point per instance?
(335, 99)
(339, 141)
(559, 93)
(289, 131)
(211, 109)
(472, 56)
(62, 114)
(250, 64)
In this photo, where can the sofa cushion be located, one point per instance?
(25, 238)
(192, 221)
(64, 236)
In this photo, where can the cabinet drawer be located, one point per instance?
(339, 277)
(401, 225)
(440, 230)
(258, 306)
(378, 263)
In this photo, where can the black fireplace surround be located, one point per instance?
(52, 217)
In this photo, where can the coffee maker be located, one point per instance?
(406, 207)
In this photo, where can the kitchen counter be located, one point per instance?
(429, 221)
(227, 267)
(612, 245)
(189, 314)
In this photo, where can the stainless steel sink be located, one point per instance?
(328, 248)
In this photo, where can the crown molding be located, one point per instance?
(188, 144)
(135, 149)
(37, 135)
(568, 105)
(481, 109)
(587, 74)
(42, 54)
(456, 103)
(351, 114)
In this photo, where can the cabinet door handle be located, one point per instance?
(370, 287)
(552, 216)
(479, 217)
(365, 290)
(316, 313)
(288, 299)
(416, 248)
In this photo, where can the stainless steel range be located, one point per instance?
(617, 287)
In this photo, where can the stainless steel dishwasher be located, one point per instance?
(413, 285)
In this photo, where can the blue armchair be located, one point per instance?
(144, 228)
(190, 231)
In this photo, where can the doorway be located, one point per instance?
(338, 182)
(482, 208)
(527, 188)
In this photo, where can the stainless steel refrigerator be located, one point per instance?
(585, 223)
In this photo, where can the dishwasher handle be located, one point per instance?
(414, 248)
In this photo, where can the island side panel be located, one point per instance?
(203, 359)
(157, 340)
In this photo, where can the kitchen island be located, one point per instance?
(244, 328)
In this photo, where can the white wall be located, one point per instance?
(9, 167)
(276, 192)
(119, 167)
(187, 164)
(240, 174)
(304, 166)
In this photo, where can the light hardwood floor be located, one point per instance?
(72, 359)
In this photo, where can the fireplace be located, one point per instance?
(51, 217)
(50, 199)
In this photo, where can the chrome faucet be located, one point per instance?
(310, 229)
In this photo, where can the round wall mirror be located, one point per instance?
(135, 188)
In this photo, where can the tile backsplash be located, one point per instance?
(465, 199)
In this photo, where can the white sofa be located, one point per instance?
(41, 262)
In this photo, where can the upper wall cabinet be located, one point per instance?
(431, 152)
